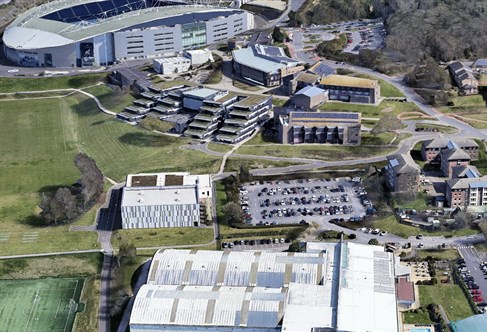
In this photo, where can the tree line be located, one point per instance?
(67, 203)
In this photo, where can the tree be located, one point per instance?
(374, 242)
(388, 122)
(58, 207)
(352, 236)
(278, 35)
(232, 214)
(243, 173)
(127, 251)
(91, 178)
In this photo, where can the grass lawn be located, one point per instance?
(391, 225)
(440, 128)
(113, 98)
(417, 318)
(380, 139)
(53, 266)
(215, 77)
(49, 83)
(245, 86)
(162, 236)
(449, 296)
(88, 319)
(369, 111)
(472, 107)
(219, 147)
(260, 139)
(233, 164)
(40, 140)
(39, 304)
(448, 254)
(323, 152)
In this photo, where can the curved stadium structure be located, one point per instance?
(79, 33)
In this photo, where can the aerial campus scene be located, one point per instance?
(245, 165)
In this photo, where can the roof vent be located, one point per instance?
(140, 200)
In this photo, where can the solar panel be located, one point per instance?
(323, 70)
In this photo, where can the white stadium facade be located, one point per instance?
(81, 33)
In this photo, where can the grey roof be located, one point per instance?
(310, 91)
(403, 164)
(201, 93)
(463, 171)
(480, 63)
(465, 183)
(268, 59)
(307, 77)
(442, 143)
(261, 269)
(249, 307)
(454, 154)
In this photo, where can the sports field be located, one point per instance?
(39, 304)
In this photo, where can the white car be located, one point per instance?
(383, 233)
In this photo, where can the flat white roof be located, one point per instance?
(176, 59)
(159, 196)
(366, 297)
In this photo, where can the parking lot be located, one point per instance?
(270, 244)
(304, 201)
(474, 272)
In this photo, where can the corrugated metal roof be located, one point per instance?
(234, 268)
(209, 306)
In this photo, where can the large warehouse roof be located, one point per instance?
(262, 269)
(35, 29)
(251, 307)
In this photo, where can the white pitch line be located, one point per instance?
(31, 311)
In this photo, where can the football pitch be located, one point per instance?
(40, 304)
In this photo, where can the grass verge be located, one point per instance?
(450, 296)
(49, 83)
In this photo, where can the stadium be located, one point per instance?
(83, 33)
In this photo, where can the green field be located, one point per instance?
(39, 304)
(369, 111)
(49, 83)
(449, 296)
(39, 140)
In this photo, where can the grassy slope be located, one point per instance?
(369, 111)
(40, 140)
(324, 152)
(49, 83)
(113, 99)
(449, 296)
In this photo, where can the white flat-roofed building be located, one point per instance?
(338, 287)
(171, 65)
(161, 200)
(367, 293)
(207, 308)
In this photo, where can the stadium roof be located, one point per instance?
(261, 269)
(348, 81)
(250, 307)
(366, 290)
(35, 29)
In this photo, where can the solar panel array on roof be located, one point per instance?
(322, 69)
(102, 9)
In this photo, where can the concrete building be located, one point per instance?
(453, 157)
(162, 200)
(310, 97)
(264, 65)
(82, 33)
(171, 65)
(320, 290)
(299, 81)
(430, 149)
(351, 89)
(464, 79)
(402, 173)
(297, 127)
(467, 192)
(198, 57)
